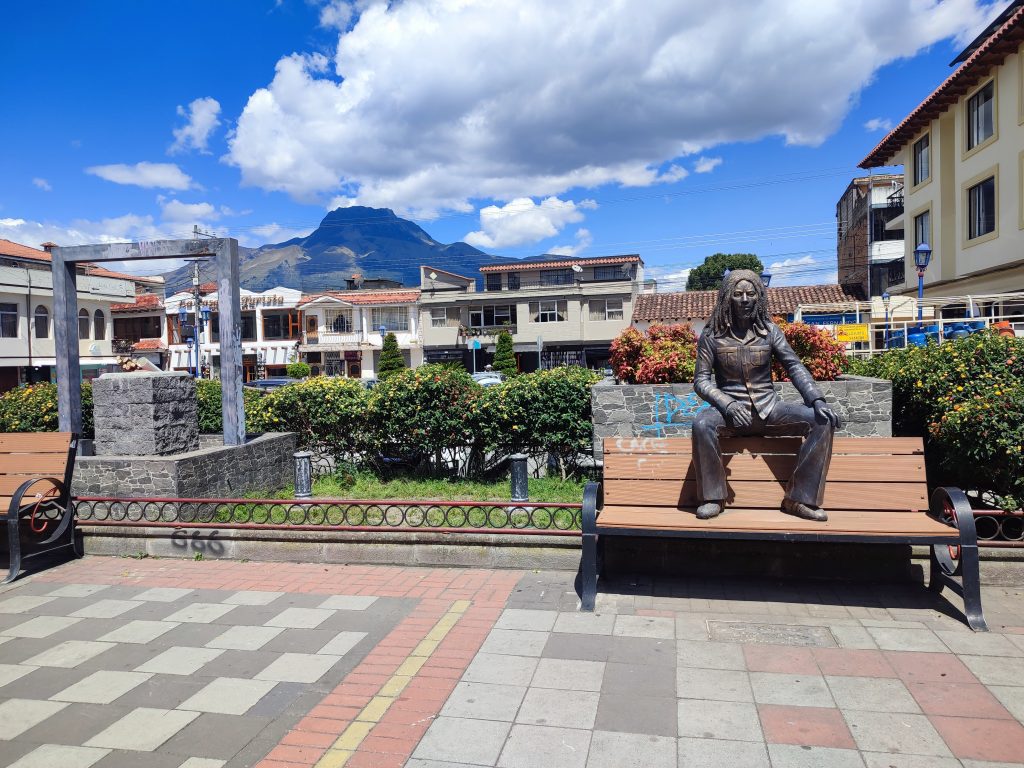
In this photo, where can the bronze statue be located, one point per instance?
(734, 375)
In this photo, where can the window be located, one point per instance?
(981, 208)
(493, 281)
(99, 326)
(605, 309)
(548, 311)
(922, 228)
(491, 316)
(338, 321)
(83, 324)
(556, 277)
(248, 326)
(922, 160)
(981, 115)
(42, 322)
(513, 282)
(8, 321)
(444, 317)
(609, 273)
(392, 318)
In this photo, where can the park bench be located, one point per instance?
(35, 494)
(875, 492)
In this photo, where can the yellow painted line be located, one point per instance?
(346, 745)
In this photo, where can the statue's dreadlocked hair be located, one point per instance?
(721, 318)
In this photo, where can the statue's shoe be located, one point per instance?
(805, 511)
(708, 510)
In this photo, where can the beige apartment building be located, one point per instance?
(962, 151)
(560, 311)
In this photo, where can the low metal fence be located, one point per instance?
(333, 515)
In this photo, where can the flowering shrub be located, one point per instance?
(817, 349)
(33, 408)
(967, 398)
(666, 354)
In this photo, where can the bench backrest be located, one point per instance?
(24, 455)
(865, 474)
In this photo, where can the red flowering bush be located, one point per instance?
(665, 354)
(817, 349)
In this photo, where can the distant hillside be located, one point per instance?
(372, 242)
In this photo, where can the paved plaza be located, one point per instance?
(111, 662)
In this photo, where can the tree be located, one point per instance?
(504, 357)
(708, 276)
(391, 360)
(298, 370)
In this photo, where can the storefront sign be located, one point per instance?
(852, 332)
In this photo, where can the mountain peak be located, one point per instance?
(359, 213)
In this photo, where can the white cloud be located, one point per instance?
(275, 233)
(669, 281)
(523, 221)
(151, 175)
(43, 184)
(177, 212)
(120, 229)
(336, 14)
(432, 103)
(878, 124)
(583, 241)
(707, 164)
(195, 134)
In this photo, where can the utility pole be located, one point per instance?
(198, 323)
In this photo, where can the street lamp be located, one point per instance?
(922, 255)
(766, 278)
(383, 332)
(885, 303)
(188, 343)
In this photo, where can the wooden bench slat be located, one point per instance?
(676, 466)
(9, 483)
(883, 446)
(767, 495)
(752, 520)
(35, 442)
(31, 465)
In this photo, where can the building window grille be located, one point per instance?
(338, 320)
(513, 282)
(609, 273)
(444, 317)
(8, 321)
(490, 316)
(493, 281)
(556, 277)
(99, 326)
(83, 324)
(548, 311)
(605, 309)
(391, 318)
(981, 208)
(42, 322)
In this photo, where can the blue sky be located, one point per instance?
(521, 127)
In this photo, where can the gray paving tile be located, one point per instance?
(101, 687)
(610, 749)
(519, 618)
(77, 590)
(203, 762)
(124, 656)
(142, 729)
(69, 654)
(793, 756)
(417, 763)
(463, 740)
(139, 631)
(658, 627)
(252, 597)
(713, 684)
(348, 602)
(856, 638)
(195, 635)
(643, 650)
(889, 760)
(51, 755)
(106, 609)
(637, 678)
(11, 672)
(709, 655)
(215, 736)
(897, 732)
(342, 643)
(41, 626)
(996, 671)
(298, 667)
(568, 674)
(228, 696)
(734, 720)
(500, 668)
(980, 643)
(118, 759)
(585, 623)
(300, 618)
(563, 747)
(23, 603)
(180, 660)
(690, 627)
(200, 613)
(515, 642)
(162, 692)
(872, 694)
(41, 682)
(717, 753)
(287, 698)
(654, 715)
(485, 701)
(19, 715)
(244, 638)
(559, 708)
(1011, 697)
(583, 647)
(900, 639)
(163, 594)
(793, 690)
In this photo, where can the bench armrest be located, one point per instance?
(951, 502)
(18, 499)
(592, 503)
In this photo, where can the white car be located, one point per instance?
(489, 378)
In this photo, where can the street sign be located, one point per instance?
(852, 332)
(540, 343)
(474, 344)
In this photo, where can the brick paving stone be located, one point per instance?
(780, 658)
(929, 667)
(718, 753)
(805, 726)
(852, 662)
(958, 700)
(719, 720)
(982, 739)
(563, 747)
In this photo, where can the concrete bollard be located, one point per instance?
(519, 482)
(303, 474)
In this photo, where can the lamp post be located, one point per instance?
(766, 278)
(922, 255)
(885, 303)
(383, 332)
(188, 344)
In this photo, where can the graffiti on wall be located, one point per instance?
(671, 411)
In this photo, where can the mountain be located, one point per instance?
(372, 242)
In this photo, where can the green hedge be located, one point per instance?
(967, 398)
(33, 408)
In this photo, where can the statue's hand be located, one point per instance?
(739, 415)
(823, 411)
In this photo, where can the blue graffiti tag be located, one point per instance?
(669, 407)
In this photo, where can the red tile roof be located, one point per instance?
(1000, 44)
(366, 297)
(143, 302)
(206, 288)
(518, 266)
(10, 248)
(149, 345)
(19, 251)
(698, 305)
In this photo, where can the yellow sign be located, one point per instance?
(852, 332)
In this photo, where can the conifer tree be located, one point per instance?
(504, 357)
(391, 360)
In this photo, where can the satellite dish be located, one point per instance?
(432, 275)
(577, 268)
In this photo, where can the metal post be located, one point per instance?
(519, 483)
(229, 308)
(303, 474)
(920, 296)
(65, 333)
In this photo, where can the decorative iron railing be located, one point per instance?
(333, 514)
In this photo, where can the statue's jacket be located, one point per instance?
(730, 370)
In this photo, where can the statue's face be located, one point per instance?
(744, 299)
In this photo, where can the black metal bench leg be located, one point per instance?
(936, 577)
(953, 501)
(14, 548)
(589, 556)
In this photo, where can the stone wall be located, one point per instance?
(145, 414)
(264, 463)
(668, 410)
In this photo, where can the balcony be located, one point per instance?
(489, 330)
(895, 200)
(320, 337)
(121, 346)
(548, 285)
